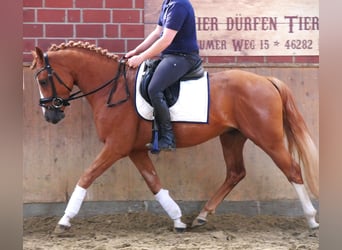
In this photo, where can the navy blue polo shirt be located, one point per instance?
(179, 15)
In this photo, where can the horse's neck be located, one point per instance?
(97, 73)
(93, 75)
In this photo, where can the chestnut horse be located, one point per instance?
(243, 106)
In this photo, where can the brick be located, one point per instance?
(74, 16)
(32, 30)
(28, 44)
(32, 3)
(126, 16)
(59, 4)
(89, 4)
(27, 57)
(220, 59)
(132, 31)
(112, 30)
(112, 45)
(139, 4)
(49, 15)
(28, 15)
(306, 59)
(250, 59)
(89, 30)
(96, 16)
(46, 43)
(119, 4)
(59, 30)
(279, 59)
(131, 44)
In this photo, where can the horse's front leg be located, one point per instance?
(103, 161)
(145, 166)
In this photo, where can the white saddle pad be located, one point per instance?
(192, 104)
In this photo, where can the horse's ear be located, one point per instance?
(37, 57)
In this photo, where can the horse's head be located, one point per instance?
(54, 87)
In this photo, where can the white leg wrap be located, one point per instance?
(169, 205)
(74, 205)
(171, 208)
(309, 210)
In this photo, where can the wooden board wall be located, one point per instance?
(250, 28)
(55, 155)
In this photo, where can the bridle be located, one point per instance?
(58, 102)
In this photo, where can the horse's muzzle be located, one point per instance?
(54, 115)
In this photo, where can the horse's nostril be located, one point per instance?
(54, 115)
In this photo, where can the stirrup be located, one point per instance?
(154, 149)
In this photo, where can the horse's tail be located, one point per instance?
(298, 137)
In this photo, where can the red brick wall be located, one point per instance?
(112, 24)
(115, 25)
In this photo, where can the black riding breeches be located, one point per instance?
(170, 69)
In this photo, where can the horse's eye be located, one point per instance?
(43, 82)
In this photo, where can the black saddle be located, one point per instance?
(171, 93)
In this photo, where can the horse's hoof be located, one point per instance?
(62, 231)
(179, 229)
(314, 232)
(179, 226)
(199, 222)
(313, 225)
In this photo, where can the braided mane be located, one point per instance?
(84, 45)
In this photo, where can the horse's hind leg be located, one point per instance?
(292, 171)
(144, 164)
(232, 145)
(282, 158)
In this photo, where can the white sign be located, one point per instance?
(252, 28)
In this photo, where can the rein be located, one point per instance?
(58, 102)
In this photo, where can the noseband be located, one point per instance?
(58, 102)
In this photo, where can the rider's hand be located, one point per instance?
(135, 61)
(131, 53)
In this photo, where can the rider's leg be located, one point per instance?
(170, 70)
(162, 116)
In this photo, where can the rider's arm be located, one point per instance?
(161, 44)
(149, 40)
(155, 49)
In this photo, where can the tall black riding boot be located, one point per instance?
(162, 116)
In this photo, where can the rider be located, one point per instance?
(174, 39)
